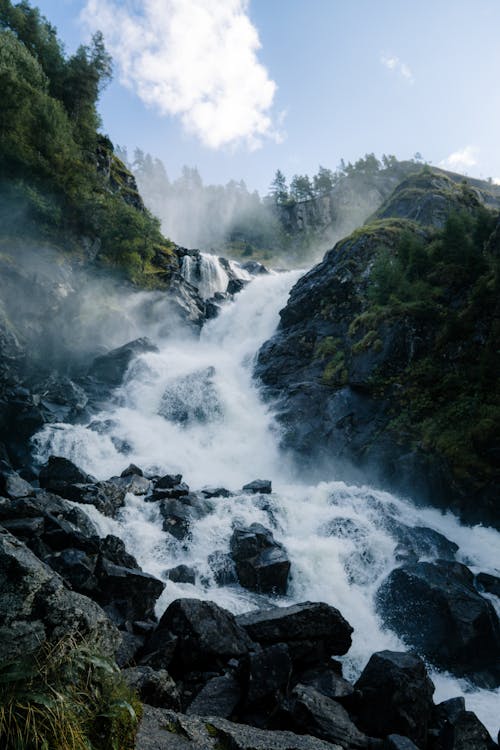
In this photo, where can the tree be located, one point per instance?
(301, 188)
(324, 181)
(279, 189)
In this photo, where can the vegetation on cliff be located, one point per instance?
(60, 181)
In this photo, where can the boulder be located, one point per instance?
(488, 583)
(313, 632)
(170, 493)
(396, 697)
(210, 492)
(397, 742)
(312, 712)
(265, 673)
(155, 687)
(35, 606)
(223, 568)
(182, 574)
(420, 541)
(108, 497)
(132, 470)
(262, 563)
(168, 481)
(258, 486)
(60, 399)
(329, 681)
(218, 697)
(161, 729)
(134, 483)
(207, 635)
(13, 486)
(126, 594)
(454, 728)
(437, 610)
(59, 472)
(110, 368)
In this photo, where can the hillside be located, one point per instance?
(385, 362)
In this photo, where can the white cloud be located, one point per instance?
(496, 180)
(196, 59)
(393, 63)
(463, 159)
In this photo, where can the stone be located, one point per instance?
(397, 742)
(136, 484)
(169, 481)
(170, 493)
(458, 729)
(182, 574)
(127, 594)
(266, 672)
(488, 583)
(261, 563)
(210, 492)
(424, 542)
(132, 470)
(113, 548)
(396, 697)
(218, 697)
(313, 631)
(59, 472)
(314, 713)
(111, 367)
(258, 486)
(435, 608)
(223, 568)
(155, 687)
(35, 606)
(14, 486)
(207, 635)
(329, 682)
(77, 568)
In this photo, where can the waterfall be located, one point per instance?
(193, 408)
(205, 272)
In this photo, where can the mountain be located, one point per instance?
(385, 362)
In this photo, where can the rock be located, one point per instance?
(133, 483)
(192, 399)
(488, 583)
(46, 505)
(458, 729)
(329, 682)
(265, 673)
(210, 492)
(12, 485)
(218, 697)
(313, 632)
(129, 648)
(236, 285)
(77, 568)
(396, 697)
(132, 470)
(177, 518)
(61, 400)
(107, 497)
(207, 635)
(223, 568)
(322, 717)
(436, 609)
(35, 606)
(58, 473)
(110, 368)
(182, 574)
(161, 729)
(155, 687)
(169, 481)
(258, 486)
(127, 594)
(397, 742)
(113, 548)
(170, 493)
(262, 563)
(424, 542)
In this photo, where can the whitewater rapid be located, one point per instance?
(193, 408)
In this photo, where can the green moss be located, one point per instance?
(326, 347)
(335, 372)
(370, 340)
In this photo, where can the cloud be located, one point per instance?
(463, 159)
(496, 180)
(195, 59)
(397, 66)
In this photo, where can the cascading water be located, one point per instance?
(193, 409)
(207, 274)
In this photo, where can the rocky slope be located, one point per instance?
(385, 361)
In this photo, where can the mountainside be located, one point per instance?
(386, 360)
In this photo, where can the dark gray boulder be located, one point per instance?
(14, 486)
(223, 568)
(207, 636)
(488, 583)
(218, 697)
(155, 687)
(261, 562)
(423, 542)
(454, 728)
(397, 742)
(266, 673)
(110, 368)
(328, 680)
(258, 486)
(59, 472)
(437, 610)
(396, 697)
(313, 632)
(126, 594)
(182, 574)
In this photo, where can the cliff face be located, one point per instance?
(384, 360)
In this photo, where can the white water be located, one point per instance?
(208, 275)
(225, 436)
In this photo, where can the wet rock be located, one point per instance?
(396, 697)
(458, 729)
(170, 493)
(424, 542)
(207, 635)
(258, 486)
(210, 492)
(132, 470)
(192, 398)
(59, 472)
(45, 505)
(177, 518)
(314, 713)
(218, 697)
(133, 483)
(108, 497)
(169, 481)
(436, 609)
(236, 285)
(35, 606)
(12, 485)
(223, 568)
(488, 583)
(129, 648)
(110, 368)
(182, 574)
(262, 563)
(265, 673)
(113, 548)
(329, 682)
(313, 632)
(61, 400)
(127, 594)
(397, 742)
(155, 687)
(77, 568)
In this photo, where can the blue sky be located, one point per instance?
(332, 79)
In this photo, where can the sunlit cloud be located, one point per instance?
(393, 63)
(462, 159)
(194, 59)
